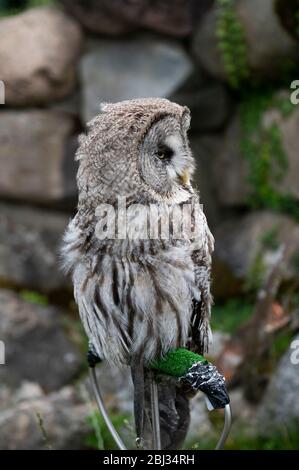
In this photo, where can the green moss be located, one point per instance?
(229, 316)
(177, 362)
(231, 43)
(34, 297)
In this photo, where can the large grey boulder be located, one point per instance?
(112, 17)
(29, 247)
(229, 168)
(132, 68)
(209, 103)
(288, 127)
(251, 243)
(280, 407)
(38, 53)
(37, 156)
(206, 149)
(268, 44)
(37, 348)
(57, 421)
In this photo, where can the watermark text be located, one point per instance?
(295, 353)
(149, 221)
(2, 353)
(294, 97)
(2, 92)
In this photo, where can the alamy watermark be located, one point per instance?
(294, 358)
(294, 97)
(2, 92)
(149, 221)
(2, 353)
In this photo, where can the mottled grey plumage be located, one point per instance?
(139, 298)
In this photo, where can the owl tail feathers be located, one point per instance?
(137, 371)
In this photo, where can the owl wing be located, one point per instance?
(200, 320)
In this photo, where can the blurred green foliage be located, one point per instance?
(297, 22)
(231, 43)
(34, 297)
(295, 262)
(241, 438)
(262, 147)
(269, 240)
(101, 438)
(95, 439)
(12, 7)
(255, 274)
(257, 269)
(230, 315)
(280, 345)
(39, 3)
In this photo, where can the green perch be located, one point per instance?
(194, 371)
(177, 362)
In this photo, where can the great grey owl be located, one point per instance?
(140, 296)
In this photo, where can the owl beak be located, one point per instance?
(185, 178)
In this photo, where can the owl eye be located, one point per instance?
(160, 154)
(164, 153)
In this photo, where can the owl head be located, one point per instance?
(135, 148)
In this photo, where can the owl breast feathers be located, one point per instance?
(139, 248)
